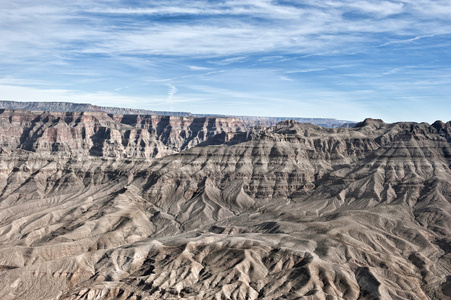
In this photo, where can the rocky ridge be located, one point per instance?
(294, 211)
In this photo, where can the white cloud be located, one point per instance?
(230, 60)
(197, 68)
(412, 39)
(171, 91)
(306, 70)
(377, 8)
(285, 78)
(228, 8)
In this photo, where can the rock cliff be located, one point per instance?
(101, 134)
(294, 211)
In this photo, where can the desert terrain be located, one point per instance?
(112, 206)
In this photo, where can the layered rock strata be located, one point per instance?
(290, 212)
(101, 134)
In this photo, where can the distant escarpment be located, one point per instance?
(293, 211)
(84, 107)
(248, 121)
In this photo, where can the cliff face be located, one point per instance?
(100, 134)
(293, 211)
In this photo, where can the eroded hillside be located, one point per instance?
(294, 211)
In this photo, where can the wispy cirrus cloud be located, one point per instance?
(171, 91)
(111, 27)
(282, 77)
(197, 68)
(416, 38)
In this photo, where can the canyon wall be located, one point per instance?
(101, 134)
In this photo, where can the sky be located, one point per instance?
(340, 59)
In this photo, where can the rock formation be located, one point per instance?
(90, 210)
(101, 134)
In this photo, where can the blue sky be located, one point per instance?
(334, 59)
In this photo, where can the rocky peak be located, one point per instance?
(371, 122)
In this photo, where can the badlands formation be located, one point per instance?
(102, 206)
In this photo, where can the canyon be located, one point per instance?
(96, 205)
